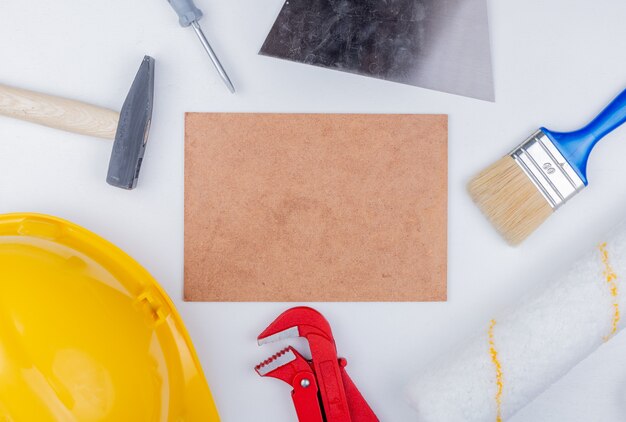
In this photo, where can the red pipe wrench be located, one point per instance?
(338, 400)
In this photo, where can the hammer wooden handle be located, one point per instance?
(58, 113)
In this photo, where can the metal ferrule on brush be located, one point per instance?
(548, 169)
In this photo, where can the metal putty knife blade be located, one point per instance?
(438, 44)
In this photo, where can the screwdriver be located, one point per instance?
(189, 15)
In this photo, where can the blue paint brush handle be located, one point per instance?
(576, 146)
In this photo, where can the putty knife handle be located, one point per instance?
(59, 113)
(186, 10)
(576, 146)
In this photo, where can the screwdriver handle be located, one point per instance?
(186, 10)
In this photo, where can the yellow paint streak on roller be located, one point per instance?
(611, 279)
(496, 363)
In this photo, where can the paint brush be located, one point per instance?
(520, 191)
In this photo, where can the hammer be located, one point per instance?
(128, 128)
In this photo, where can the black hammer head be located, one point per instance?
(132, 129)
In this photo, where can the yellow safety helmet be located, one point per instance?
(86, 334)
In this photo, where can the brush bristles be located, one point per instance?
(510, 200)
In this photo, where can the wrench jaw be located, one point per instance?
(292, 332)
(291, 367)
(297, 322)
(284, 365)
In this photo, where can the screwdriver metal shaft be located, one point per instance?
(189, 15)
(216, 62)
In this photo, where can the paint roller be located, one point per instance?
(519, 355)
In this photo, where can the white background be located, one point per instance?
(555, 63)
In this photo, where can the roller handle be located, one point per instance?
(186, 10)
(576, 146)
(59, 113)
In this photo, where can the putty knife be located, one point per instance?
(437, 44)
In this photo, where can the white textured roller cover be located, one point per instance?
(521, 354)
